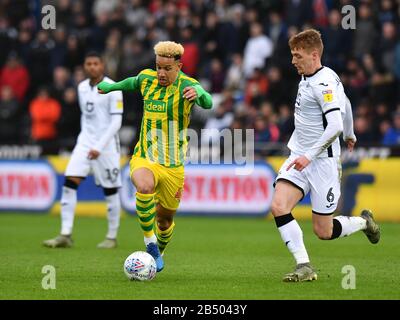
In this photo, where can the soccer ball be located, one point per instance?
(140, 266)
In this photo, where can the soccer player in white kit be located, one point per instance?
(97, 151)
(322, 113)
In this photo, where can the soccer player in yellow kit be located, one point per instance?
(156, 166)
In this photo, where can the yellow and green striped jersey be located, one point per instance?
(166, 117)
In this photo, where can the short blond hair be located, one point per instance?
(169, 49)
(308, 40)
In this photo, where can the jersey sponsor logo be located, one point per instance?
(297, 103)
(120, 104)
(89, 106)
(323, 84)
(327, 95)
(298, 99)
(155, 106)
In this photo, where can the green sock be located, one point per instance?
(146, 211)
(164, 236)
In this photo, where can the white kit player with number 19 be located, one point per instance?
(97, 151)
(322, 113)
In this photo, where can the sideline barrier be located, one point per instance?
(370, 183)
(209, 189)
(217, 190)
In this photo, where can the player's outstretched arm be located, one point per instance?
(348, 131)
(129, 84)
(200, 96)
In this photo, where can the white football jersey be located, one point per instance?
(96, 112)
(318, 94)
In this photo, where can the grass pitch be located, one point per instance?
(209, 259)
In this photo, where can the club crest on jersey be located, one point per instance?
(155, 106)
(327, 95)
(171, 89)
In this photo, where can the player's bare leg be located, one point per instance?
(144, 181)
(68, 204)
(327, 227)
(285, 198)
(164, 227)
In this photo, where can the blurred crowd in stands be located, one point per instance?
(237, 49)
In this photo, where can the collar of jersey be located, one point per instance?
(176, 80)
(97, 83)
(313, 74)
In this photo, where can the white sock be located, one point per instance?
(292, 236)
(113, 215)
(351, 224)
(68, 204)
(152, 239)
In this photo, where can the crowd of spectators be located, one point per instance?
(237, 49)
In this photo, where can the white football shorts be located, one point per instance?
(321, 178)
(106, 168)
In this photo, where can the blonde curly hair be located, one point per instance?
(169, 49)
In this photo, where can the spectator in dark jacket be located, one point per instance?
(9, 116)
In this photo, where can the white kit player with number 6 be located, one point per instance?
(322, 113)
(97, 151)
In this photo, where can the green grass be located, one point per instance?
(209, 258)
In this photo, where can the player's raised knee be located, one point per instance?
(143, 180)
(145, 188)
(278, 208)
